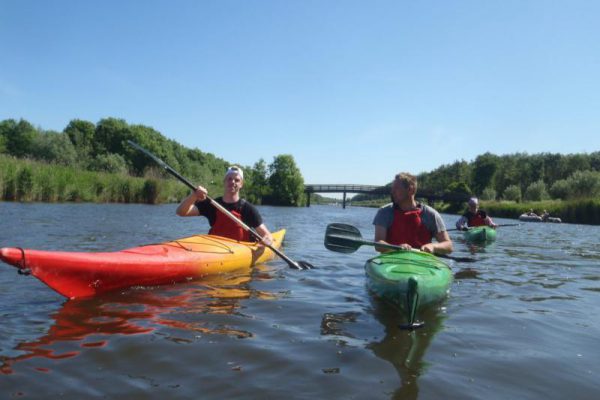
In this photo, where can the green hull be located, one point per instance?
(480, 234)
(409, 279)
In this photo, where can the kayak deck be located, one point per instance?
(77, 274)
(409, 279)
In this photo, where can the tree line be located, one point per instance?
(520, 176)
(39, 164)
(516, 177)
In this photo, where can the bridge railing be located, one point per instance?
(372, 189)
(348, 188)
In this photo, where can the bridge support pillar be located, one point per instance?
(344, 200)
(307, 199)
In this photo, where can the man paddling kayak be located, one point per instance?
(198, 204)
(409, 224)
(474, 217)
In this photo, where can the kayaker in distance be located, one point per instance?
(474, 217)
(197, 204)
(531, 213)
(409, 224)
(545, 215)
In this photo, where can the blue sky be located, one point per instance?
(355, 90)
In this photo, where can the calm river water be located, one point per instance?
(523, 322)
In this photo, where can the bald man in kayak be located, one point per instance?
(220, 224)
(409, 224)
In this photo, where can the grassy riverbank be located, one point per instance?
(26, 180)
(583, 211)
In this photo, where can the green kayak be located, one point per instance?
(409, 280)
(480, 234)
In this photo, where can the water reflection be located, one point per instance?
(334, 324)
(405, 349)
(466, 273)
(92, 322)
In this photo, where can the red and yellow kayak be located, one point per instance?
(75, 275)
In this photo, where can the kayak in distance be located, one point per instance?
(410, 280)
(480, 234)
(537, 218)
(85, 274)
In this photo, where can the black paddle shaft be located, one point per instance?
(289, 261)
(344, 238)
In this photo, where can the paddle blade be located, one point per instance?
(305, 265)
(342, 238)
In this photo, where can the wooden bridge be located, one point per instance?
(375, 190)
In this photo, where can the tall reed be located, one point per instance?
(27, 180)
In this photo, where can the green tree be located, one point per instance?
(512, 193)
(484, 169)
(555, 168)
(112, 163)
(286, 182)
(595, 161)
(488, 194)
(257, 182)
(538, 167)
(577, 162)
(560, 189)
(19, 137)
(109, 136)
(170, 151)
(584, 184)
(54, 147)
(536, 191)
(526, 174)
(460, 190)
(81, 133)
(439, 179)
(507, 173)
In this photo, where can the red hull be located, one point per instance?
(75, 274)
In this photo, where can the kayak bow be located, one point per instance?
(409, 280)
(480, 234)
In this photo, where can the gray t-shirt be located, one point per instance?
(430, 218)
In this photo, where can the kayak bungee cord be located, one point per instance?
(179, 244)
(214, 243)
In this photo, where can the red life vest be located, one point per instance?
(477, 219)
(225, 227)
(407, 227)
